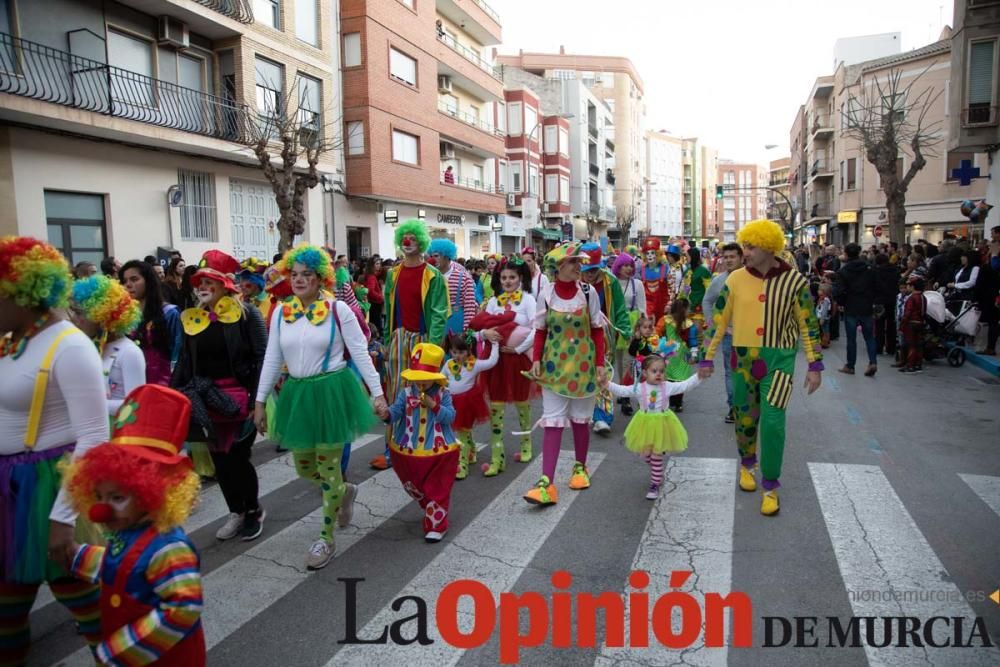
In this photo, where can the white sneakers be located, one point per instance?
(601, 427)
(434, 536)
(231, 528)
(319, 554)
(347, 506)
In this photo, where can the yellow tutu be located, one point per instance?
(659, 432)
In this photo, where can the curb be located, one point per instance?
(989, 364)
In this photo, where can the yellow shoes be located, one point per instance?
(581, 477)
(747, 481)
(542, 493)
(769, 503)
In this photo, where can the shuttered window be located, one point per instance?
(198, 221)
(981, 73)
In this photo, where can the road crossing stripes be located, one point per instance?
(690, 528)
(494, 549)
(987, 488)
(887, 565)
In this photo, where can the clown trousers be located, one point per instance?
(397, 360)
(428, 480)
(762, 389)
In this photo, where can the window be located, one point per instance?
(502, 183)
(532, 180)
(477, 174)
(502, 117)
(551, 139)
(355, 137)
(563, 142)
(198, 221)
(76, 225)
(191, 72)
(516, 176)
(310, 103)
(135, 55)
(402, 67)
(955, 162)
(267, 12)
(981, 88)
(564, 189)
(551, 188)
(307, 21)
(852, 173)
(514, 127)
(405, 147)
(352, 49)
(270, 84)
(531, 122)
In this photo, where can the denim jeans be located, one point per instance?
(867, 323)
(727, 353)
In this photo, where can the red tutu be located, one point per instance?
(470, 408)
(506, 384)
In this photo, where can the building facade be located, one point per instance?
(778, 206)
(126, 124)
(745, 195)
(420, 95)
(664, 154)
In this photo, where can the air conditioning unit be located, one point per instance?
(444, 83)
(173, 32)
(447, 149)
(511, 200)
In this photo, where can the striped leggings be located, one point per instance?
(81, 598)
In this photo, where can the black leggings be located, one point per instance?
(237, 477)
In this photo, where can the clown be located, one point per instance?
(461, 291)
(425, 450)
(656, 279)
(416, 303)
(486, 279)
(251, 282)
(539, 281)
(769, 306)
(142, 490)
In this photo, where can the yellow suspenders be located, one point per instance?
(41, 384)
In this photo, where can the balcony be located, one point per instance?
(609, 143)
(470, 55)
(610, 213)
(819, 211)
(476, 17)
(42, 73)
(610, 175)
(594, 170)
(980, 115)
(820, 169)
(822, 127)
(473, 184)
(595, 209)
(592, 130)
(468, 118)
(238, 10)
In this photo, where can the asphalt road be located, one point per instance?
(890, 507)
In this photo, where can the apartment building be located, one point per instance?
(664, 190)
(778, 207)
(421, 94)
(797, 169)
(709, 178)
(615, 81)
(973, 102)
(817, 176)
(745, 195)
(124, 122)
(699, 212)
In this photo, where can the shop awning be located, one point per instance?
(549, 234)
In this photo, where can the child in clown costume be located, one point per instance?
(425, 451)
(679, 329)
(468, 394)
(142, 489)
(569, 364)
(656, 278)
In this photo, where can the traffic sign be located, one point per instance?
(877, 231)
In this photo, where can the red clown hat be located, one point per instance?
(217, 265)
(153, 423)
(651, 243)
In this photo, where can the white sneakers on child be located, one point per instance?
(319, 554)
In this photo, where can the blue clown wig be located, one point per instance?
(313, 258)
(443, 247)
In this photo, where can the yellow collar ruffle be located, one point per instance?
(195, 320)
(316, 313)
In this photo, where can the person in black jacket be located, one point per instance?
(886, 289)
(854, 289)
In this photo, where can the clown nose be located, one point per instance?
(101, 513)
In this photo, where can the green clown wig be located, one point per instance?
(33, 274)
(313, 258)
(419, 231)
(105, 302)
(763, 234)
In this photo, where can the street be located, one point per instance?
(890, 490)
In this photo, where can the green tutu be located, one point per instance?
(322, 410)
(658, 432)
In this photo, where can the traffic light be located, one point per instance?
(718, 192)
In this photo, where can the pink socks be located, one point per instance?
(655, 462)
(581, 441)
(550, 450)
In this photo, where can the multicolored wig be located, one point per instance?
(762, 234)
(33, 274)
(419, 231)
(443, 247)
(166, 492)
(621, 261)
(106, 303)
(312, 257)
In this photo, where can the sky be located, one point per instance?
(731, 72)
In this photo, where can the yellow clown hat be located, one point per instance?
(425, 364)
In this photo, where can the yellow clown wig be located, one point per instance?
(763, 234)
(105, 302)
(313, 258)
(33, 274)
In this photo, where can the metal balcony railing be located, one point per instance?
(467, 118)
(238, 10)
(489, 10)
(470, 55)
(594, 169)
(821, 123)
(473, 184)
(43, 73)
(820, 167)
(592, 129)
(820, 209)
(979, 115)
(595, 209)
(610, 213)
(610, 175)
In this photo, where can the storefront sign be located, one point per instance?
(451, 219)
(847, 217)
(391, 217)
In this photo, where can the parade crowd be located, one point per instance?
(128, 384)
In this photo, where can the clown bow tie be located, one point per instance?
(513, 298)
(195, 320)
(316, 313)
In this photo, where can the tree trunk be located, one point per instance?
(896, 208)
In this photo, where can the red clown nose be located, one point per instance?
(101, 513)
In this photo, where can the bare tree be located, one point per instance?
(288, 139)
(624, 222)
(889, 118)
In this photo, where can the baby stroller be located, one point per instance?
(949, 320)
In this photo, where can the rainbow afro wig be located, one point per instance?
(443, 247)
(763, 234)
(419, 231)
(167, 492)
(313, 258)
(33, 274)
(106, 303)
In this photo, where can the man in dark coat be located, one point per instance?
(854, 290)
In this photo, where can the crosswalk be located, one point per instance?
(692, 527)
